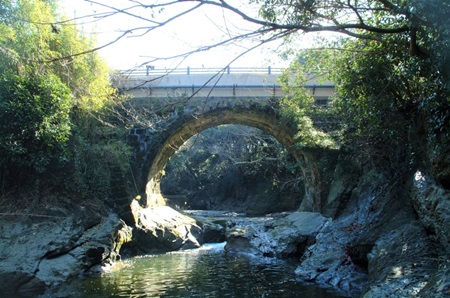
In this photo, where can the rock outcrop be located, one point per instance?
(280, 236)
(381, 238)
(388, 238)
(41, 251)
(162, 229)
(379, 245)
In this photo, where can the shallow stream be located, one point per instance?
(205, 272)
(208, 271)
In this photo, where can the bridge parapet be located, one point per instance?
(153, 71)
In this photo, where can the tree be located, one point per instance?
(34, 124)
(298, 106)
(408, 112)
(55, 106)
(34, 42)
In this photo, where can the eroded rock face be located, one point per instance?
(432, 204)
(439, 162)
(40, 252)
(327, 261)
(401, 262)
(378, 245)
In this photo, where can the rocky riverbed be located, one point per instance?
(387, 240)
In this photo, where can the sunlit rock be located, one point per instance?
(41, 252)
(163, 229)
(280, 236)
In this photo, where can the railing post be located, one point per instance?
(148, 68)
(188, 70)
(269, 70)
(228, 69)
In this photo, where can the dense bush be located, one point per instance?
(34, 126)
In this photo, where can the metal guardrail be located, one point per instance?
(153, 71)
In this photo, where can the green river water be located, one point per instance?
(206, 272)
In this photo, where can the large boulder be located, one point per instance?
(239, 239)
(41, 251)
(213, 230)
(279, 236)
(162, 229)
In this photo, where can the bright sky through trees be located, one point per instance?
(199, 28)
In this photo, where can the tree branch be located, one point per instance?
(324, 19)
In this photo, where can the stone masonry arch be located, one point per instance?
(159, 152)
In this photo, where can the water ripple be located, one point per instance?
(205, 272)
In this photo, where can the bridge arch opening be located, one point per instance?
(236, 168)
(264, 120)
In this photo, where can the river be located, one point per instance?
(209, 271)
(205, 272)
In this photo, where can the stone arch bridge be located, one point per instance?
(181, 103)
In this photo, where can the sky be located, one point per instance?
(185, 34)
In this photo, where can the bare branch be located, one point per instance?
(89, 51)
(361, 21)
(351, 20)
(127, 32)
(337, 28)
(125, 10)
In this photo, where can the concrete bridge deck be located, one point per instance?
(227, 82)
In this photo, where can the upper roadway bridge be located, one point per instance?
(256, 83)
(183, 102)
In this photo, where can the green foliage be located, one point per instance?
(26, 40)
(35, 42)
(87, 75)
(383, 90)
(390, 102)
(34, 121)
(297, 100)
(56, 108)
(362, 19)
(433, 30)
(298, 107)
(392, 89)
(100, 160)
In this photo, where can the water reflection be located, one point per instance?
(207, 272)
